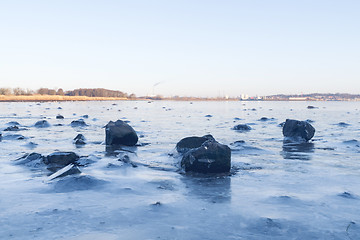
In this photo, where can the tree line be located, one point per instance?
(89, 92)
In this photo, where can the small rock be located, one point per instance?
(13, 137)
(340, 124)
(42, 124)
(242, 127)
(79, 140)
(78, 123)
(13, 123)
(58, 160)
(12, 128)
(32, 160)
(70, 169)
(59, 117)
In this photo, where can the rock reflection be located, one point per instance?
(297, 150)
(114, 150)
(209, 188)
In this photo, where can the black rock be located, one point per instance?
(78, 123)
(12, 128)
(211, 157)
(59, 117)
(42, 124)
(242, 127)
(31, 160)
(58, 160)
(79, 140)
(298, 130)
(70, 169)
(13, 137)
(120, 133)
(208, 116)
(311, 107)
(85, 116)
(340, 124)
(189, 143)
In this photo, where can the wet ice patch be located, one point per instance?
(78, 183)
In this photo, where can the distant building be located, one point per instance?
(244, 97)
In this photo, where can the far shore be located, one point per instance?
(49, 98)
(63, 98)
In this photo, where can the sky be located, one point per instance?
(188, 48)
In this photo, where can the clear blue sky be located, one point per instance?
(198, 48)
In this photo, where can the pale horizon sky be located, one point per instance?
(193, 48)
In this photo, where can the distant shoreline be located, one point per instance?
(54, 98)
(60, 98)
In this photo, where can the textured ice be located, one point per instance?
(275, 190)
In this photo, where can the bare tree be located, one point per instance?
(5, 91)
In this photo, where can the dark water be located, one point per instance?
(276, 190)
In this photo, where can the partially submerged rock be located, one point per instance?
(58, 160)
(189, 143)
(298, 130)
(204, 155)
(12, 128)
(13, 137)
(120, 133)
(32, 160)
(79, 140)
(211, 157)
(59, 117)
(78, 123)
(42, 124)
(70, 169)
(242, 127)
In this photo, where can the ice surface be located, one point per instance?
(276, 190)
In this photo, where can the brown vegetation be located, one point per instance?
(46, 94)
(40, 98)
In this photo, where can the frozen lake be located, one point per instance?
(274, 191)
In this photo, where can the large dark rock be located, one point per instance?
(298, 130)
(59, 117)
(42, 124)
(189, 143)
(58, 160)
(210, 157)
(120, 133)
